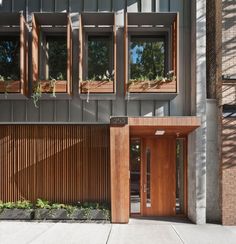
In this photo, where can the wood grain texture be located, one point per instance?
(163, 176)
(148, 126)
(35, 51)
(69, 55)
(119, 148)
(55, 162)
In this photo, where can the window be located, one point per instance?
(10, 58)
(151, 52)
(97, 53)
(147, 58)
(55, 58)
(13, 54)
(99, 58)
(52, 53)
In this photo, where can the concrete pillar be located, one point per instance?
(197, 139)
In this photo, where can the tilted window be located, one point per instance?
(151, 52)
(97, 53)
(52, 52)
(13, 54)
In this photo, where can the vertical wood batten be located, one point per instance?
(45, 161)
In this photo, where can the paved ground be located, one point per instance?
(137, 231)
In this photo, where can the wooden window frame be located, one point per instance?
(100, 25)
(57, 28)
(150, 24)
(14, 24)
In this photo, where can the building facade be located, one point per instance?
(143, 137)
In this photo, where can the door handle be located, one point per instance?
(144, 187)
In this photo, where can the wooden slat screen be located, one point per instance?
(62, 163)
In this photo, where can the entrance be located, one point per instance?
(157, 176)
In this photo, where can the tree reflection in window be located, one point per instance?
(147, 58)
(10, 58)
(99, 57)
(57, 57)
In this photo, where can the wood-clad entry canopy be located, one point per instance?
(120, 131)
(171, 125)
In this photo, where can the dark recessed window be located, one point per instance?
(147, 58)
(56, 55)
(99, 58)
(10, 58)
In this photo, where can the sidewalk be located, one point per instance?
(138, 231)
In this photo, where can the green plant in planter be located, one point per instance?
(108, 76)
(41, 203)
(5, 82)
(10, 205)
(53, 81)
(24, 204)
(52, 84)
(106, 214)
(37, 93)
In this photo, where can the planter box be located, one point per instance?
(97, 87)
(61, 86)
(152, 87)
(12, 87)
(16, 214)
(62, 214)
(50, 214)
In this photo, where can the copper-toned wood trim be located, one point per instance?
(60, 163)
(119, 156)
(126, 51)
(192, 121)
(35, 51)
(81, 49)
(114, 54)
(97, 87)
(22, 54)
(69, 55)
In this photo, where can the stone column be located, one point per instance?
(197, 139)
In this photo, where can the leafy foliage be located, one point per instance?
(147, 58)
(57, 57)
(24, 204)
(10, 58)
(99, 58)
(37, 93)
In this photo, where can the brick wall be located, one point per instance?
(227, 97)
(229, 171)
(229, 38)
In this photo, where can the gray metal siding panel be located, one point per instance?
(18, 5)
(146, 6)
(32, 113)
(133, 108)
(147, 108)
(19, 111)
(91, 5)
(48, 5)
(162, 5)
(105, 5)
(61, 5)
(76, 110)
(177, 104)
(76, 5)
(5, 108)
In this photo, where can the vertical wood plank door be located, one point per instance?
(159, 176)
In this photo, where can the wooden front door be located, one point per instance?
(158, 180)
